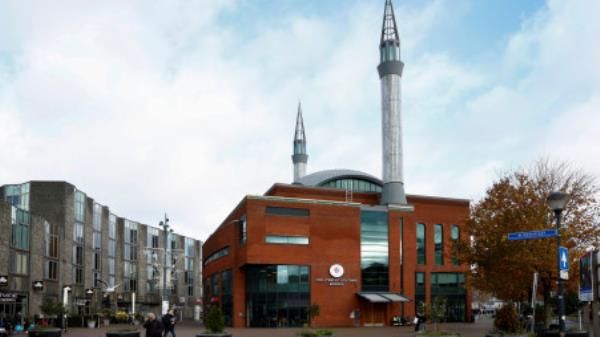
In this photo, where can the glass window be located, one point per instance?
(51, 270)
(217, 255)
(78, 275)
(78, 233)
(112, 226)
(438, 239)
(242, 229)
(227, 296)
(356, 185)
(20, 263)
(215, 282)
(451, 286)
(276, 295)
(20, 229)
(455, 234)
(374, 251)
(290, 240)
(79, 206)
(111, 266)
(421, 243)
(17, 195)
(97, 218)
(287, 211)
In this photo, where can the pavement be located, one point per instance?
(184, 329)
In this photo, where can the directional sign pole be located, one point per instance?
(561, 287)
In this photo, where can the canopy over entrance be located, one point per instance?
(382, 297)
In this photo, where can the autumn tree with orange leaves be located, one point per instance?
(517, 203)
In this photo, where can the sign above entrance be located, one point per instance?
(3, 280)
(8, 297)
(336, 270)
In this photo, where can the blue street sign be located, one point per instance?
(548, 233)
(563, 260)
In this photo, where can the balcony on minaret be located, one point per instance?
(389, 51)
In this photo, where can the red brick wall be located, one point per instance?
(334, 232)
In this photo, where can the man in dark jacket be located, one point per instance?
(154, 327)
(168, 321)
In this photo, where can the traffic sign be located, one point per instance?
(563, 261)
(548, 233)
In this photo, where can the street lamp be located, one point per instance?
(557, 202)
(165, 226)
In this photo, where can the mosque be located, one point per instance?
(351, 246)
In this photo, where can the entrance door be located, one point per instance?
(15, 311)
(375, 314)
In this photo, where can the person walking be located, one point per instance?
(154, 327)
(168, 321)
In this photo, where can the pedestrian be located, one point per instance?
(417, 322)
(154, 327)
(168, 321)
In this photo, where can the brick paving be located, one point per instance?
(185, 329)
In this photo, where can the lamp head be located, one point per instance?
(557, 200)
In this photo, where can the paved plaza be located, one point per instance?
(477, 329)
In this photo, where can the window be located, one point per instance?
(79, 206)
(17, 195)
(374, 251)
(51, 270)
(451, 286)
(77, 275)
(97, 218)
(112, 226)
(217, 255)
(78, 255)
(438, 240)
(455, 235)
(215, 283)
(20, 263)
(420, 243)
(227, 296)
(291, 240)
(286, 211)
(20, 229)
(419, 290)
(353, 184)
(242, 229)
(78, 233)
(51, 240)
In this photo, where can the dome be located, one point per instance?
(342, 179)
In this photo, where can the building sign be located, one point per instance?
(8, 297)
(3, 280)
(586, 290)
(336, 271)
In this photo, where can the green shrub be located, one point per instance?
(323, 332)
(215, 323)
(507, 319)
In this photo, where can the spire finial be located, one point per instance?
(389, 31)
(299, 134)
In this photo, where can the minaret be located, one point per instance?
(299, 158)
(390, 73)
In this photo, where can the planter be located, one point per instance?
(128, 333)
(45, 332)
(555, 333)
(91, 324)
(208, 334)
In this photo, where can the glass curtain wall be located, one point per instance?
(189, 266)
(451, 286)
(277, 295)
(455, 235)
(438, 238)
(227, 297)
(420, 243)
(374, 251)
(17, 195)
(112, 248)
(97, 244)
(130, 256)
(78, 236)
(152, 260)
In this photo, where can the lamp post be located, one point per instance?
(557, 202)
(165, 226)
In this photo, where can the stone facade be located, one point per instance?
(53, 202)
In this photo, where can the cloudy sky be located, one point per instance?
(186, 106)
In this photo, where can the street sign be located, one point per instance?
(548, 233)
(563, 261)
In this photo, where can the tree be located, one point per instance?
(215, 323)
(517, 203)
(314, 310)
(438, 310)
